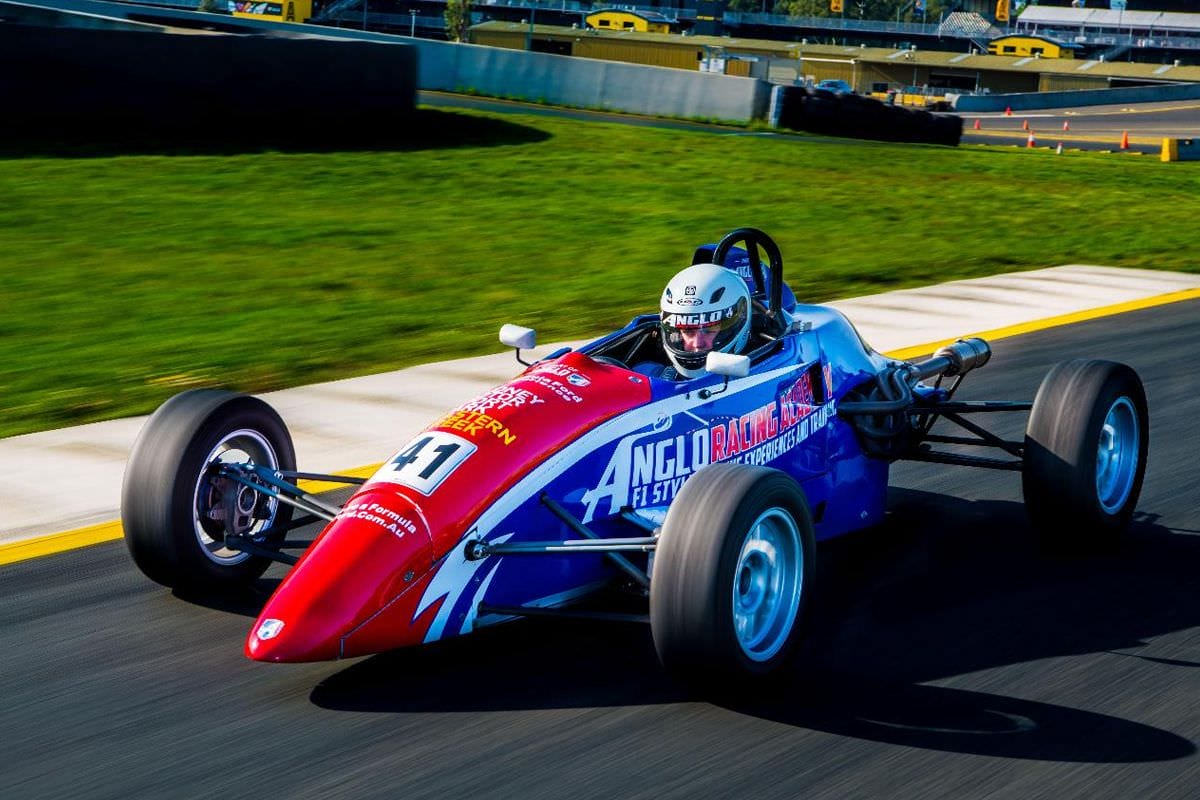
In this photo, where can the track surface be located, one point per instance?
(950, 658)
(1090, 127)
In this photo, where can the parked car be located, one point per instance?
(836, 86)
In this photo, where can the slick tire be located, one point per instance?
(1085, 452)
(173, 506)
(733, 571)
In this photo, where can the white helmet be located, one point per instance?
(704, 308)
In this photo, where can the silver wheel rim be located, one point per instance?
(1117, 455)
(767, 584)
(243, 446)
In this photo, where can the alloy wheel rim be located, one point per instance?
(212, 492)
(1117, 453)
(767, 584)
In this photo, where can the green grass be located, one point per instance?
(124, 278)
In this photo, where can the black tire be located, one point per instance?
(701, 562)
(1072, 495)
(168, 487)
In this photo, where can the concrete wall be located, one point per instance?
(1088, 97)
(588, 83)
(75, 83)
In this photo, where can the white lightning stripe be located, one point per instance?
(456, 572)
(473, 611)
(699, 419)
(451, 579)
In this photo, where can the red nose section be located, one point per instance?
(378, 547)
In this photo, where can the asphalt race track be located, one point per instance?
(1090, 127)
(949, 657)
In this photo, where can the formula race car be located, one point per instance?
(706, 496)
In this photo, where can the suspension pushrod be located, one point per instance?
(972, 407)
(301, 501)
(983, 433)
(529, 611)
(318, 476)
(965, 440)
(255, 549)
(623, 563)
(938, 457)
(639, 545)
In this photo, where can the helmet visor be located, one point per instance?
(692, 336)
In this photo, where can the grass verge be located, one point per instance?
(127, 276)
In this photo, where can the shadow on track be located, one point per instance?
(423, 130)
(945, 588)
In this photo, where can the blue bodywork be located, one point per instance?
(782, 415)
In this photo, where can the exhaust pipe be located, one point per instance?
(955, 359)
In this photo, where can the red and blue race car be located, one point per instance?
(704, 496)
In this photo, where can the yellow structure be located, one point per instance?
(612, 19)
(1017, 45)
(274, 10)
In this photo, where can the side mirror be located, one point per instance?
(518, 338)
(731, 365)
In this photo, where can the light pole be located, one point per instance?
(532, 14)
(412, 31)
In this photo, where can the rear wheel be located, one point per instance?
(732, 572)
(1085, 452)
(176, 508)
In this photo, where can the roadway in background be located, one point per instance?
(1091, 127)
(949, 658)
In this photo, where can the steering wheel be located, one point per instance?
(751, 239)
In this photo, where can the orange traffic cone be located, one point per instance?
(1032, 141)
(1008, 111)
(1058, 150)
(1124, 140)
(977, 125)
(1025, 125)
(1066, 125)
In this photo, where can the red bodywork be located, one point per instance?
(357, 589)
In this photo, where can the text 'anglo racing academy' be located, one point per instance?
(648, 469)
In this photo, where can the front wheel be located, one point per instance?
(733, 569)
(176, 508)
(1085, 452)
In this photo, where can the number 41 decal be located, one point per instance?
(426, 461)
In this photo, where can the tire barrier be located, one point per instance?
(854, 116)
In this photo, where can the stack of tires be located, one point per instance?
(857, 117)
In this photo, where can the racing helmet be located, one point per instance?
(704, 308)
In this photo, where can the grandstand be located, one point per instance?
(1119, 31)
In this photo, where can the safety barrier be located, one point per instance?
(1030, 101)
(1181, 150)
(590, 83)
(858, 117)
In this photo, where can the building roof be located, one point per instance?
(649, 16)
(1107, 18)
(875, 55)
(1037, 36)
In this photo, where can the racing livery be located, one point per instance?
(706, 496)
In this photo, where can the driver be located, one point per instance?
(704, 308)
